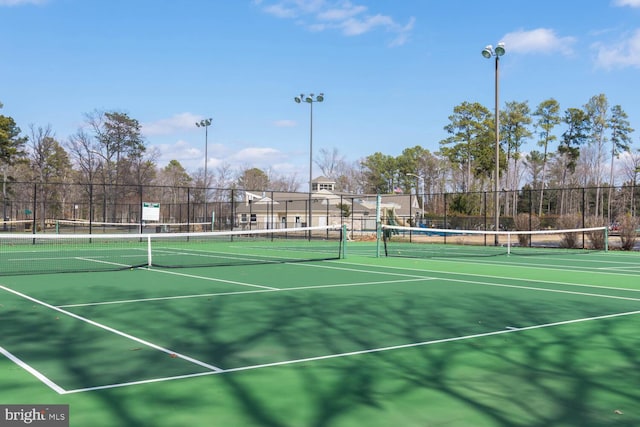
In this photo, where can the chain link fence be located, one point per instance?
(93, 208)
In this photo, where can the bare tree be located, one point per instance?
(222, 176)
(631, 171)
(548, 118)
(83, 151)
(620, 143)
(597, 110)
(49, 165)
(330, 162)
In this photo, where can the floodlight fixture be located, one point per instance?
(205, 123)
(310, 99)
(488, 52)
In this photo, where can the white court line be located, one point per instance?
(533, 266)
(141, 382)
(219, 294)
(261, 258)
(30, 369)
(366, 351)
(218, 255)
(101, 262)
(533, 288)
(363, 271)
(213, 279)
(518, 279)
(630, 267)
(112, 330)
(414, 277)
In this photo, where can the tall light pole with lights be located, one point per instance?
(310, 99)
(489, 52)
(205, 123)
(421, 185)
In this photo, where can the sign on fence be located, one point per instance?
(150, 211)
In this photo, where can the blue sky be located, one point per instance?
(391, 71)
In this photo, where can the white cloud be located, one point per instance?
(355, 26)
(291, 8)
(341, 15)
(625, 53)
(191, 155)
(178, 122)
(280, 11)
(540, 40)
(630, 3)
(181, 151)
(284, 123)
(257, 156)
(403, 34)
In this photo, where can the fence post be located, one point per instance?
(343, 242)
(378, 224)
(188, 208)
(139, 207)
(35, 205)
(445, 218)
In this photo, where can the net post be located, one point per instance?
(606, 239)
(344, 241)
(149, 260)
(508, 242)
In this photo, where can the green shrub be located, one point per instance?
(596, 238)
(628, 232)
(526, 222)
(569, 222)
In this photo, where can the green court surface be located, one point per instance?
(545, 340)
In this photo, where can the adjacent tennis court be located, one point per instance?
(295, 333)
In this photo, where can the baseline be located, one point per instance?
(113, 330)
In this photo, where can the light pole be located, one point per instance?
(310, 99)
(421, 184)
(488, 52)
(205, 123)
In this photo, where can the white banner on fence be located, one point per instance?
(150, 211)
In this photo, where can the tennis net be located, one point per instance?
(419, 242)
(57, 253)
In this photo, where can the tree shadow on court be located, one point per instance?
(567, 375)
(554, 376)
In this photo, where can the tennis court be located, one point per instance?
(302, 340)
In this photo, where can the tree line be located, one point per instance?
(576, 147)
